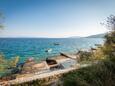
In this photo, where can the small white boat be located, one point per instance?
(48, 50)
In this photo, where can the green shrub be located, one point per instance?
(102, 74)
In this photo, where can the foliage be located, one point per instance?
(1, 20)
(91, 55)
(2, 63)
(84, 55)
(109, 45)
(7, 65)
(98, 54)
(13, 62)
(96, 75)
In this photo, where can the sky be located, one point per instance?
(54, 18)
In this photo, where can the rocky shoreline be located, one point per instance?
(53, 67)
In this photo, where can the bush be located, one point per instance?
(84, 55)
(102, 74)
(6, 66)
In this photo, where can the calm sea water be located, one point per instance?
(36, 47)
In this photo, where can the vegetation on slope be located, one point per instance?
(101, 74)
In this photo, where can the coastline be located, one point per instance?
(47, 77)
(69, 64)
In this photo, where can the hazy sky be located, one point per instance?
(54, 18)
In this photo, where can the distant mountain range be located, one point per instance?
(97, 36)
(91, 36)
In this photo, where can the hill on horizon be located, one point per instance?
(91, 36)
(97, 36)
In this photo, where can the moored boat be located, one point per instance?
(48, 50)
(56, 43)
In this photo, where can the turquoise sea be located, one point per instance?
(36, 47)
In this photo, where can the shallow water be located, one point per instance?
(36, 47)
